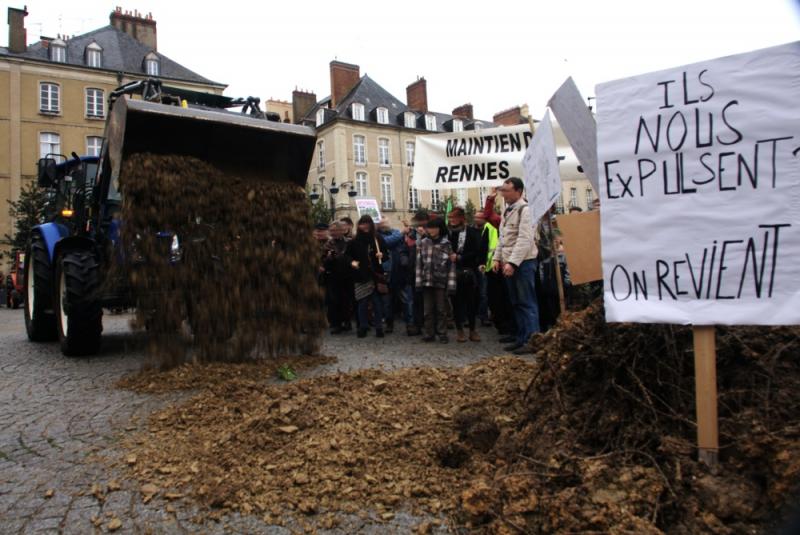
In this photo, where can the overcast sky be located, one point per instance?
(493, 54)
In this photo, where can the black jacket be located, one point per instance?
(362, 250)
(469, 258)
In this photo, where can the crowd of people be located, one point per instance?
(440, 274)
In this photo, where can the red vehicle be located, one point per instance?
(14, 283)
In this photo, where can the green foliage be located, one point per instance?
(320, 213)
(26, 212)
(286, 373)
(469, 212)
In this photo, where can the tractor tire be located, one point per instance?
(79, 313)
(40, 320)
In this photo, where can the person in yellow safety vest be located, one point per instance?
(488, 244)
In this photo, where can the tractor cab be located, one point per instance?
(69, 183)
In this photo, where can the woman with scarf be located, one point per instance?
(366, 253)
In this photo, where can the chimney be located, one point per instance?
(344, 77)
(464, 112)
(510, 117)
(417, 95)
(302, 102)
(17, 36)
(140, 27)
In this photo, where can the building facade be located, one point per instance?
(365, 143)
(54, 93)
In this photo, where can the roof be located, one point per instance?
(121, 52)
(373, 96)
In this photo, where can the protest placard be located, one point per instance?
(369, 206)
(478, 158)
(579, 126)
(580, 233)
(540, 170)
(700, 187)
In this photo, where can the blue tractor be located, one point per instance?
(68, 272)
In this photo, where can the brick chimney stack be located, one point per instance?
(417, 95)
(302, 102)
(17, 36)
(344, 77)
(464, 111)
(510, 117)
(140, 27)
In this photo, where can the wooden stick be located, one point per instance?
(705, 369)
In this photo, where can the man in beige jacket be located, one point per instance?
(515, 257)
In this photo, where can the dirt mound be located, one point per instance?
(369, 440)
(607, 444)
(240, 279)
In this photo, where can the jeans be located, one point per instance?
(435, 311)
(522, 293)
(377, 311)
(406, 294)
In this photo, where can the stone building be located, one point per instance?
(365, 142)
(54, 92)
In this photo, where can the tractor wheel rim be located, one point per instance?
(62, 314)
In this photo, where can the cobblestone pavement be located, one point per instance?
(57, 413)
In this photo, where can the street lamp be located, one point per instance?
(332, 190)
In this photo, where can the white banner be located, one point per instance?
(700, 181)
(479, 158)
(540, 165)
(578, 125)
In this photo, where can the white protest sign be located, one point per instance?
(700, 184)
(578, 124)
(540, 165)
(479, 158)
(368, 206)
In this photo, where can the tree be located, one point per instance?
(320, 213)
(469, 211)
(26, 212)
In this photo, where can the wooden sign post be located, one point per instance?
(705, 370)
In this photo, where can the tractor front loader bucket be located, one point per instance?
(239, 145)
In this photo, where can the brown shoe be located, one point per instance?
(461, 337)
(474, 336)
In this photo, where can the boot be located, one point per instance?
(474, 336)
(460, 336)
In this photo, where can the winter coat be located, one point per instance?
(517, 237)
(434, 268)
(362, 250)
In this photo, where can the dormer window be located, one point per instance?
(383, 116)
(152, 65)
(94, 55)
(477, 126)
(58, 51)
(430, 122)
(410, 119)
(458, 125)
(358, 111)
(320, 116)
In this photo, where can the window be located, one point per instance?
(94, 55)
(321, 155)
(387, 198)
(573, 197)
(361, 184)
(49, 143)
(48, 97)
(436, 200)
(151, 64)
(357, 110)
(94, 103)
(359, 150)
(320, 116)
(383, 116)
(383, 153)
(430, 122)
(93, 145)
(477, 126)
(560, 205)
(409, 153)
(589, 198)
(413, 198)
(58, 51)
(410, 119)
(458, 125)
(482, 191)
(461, 197)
